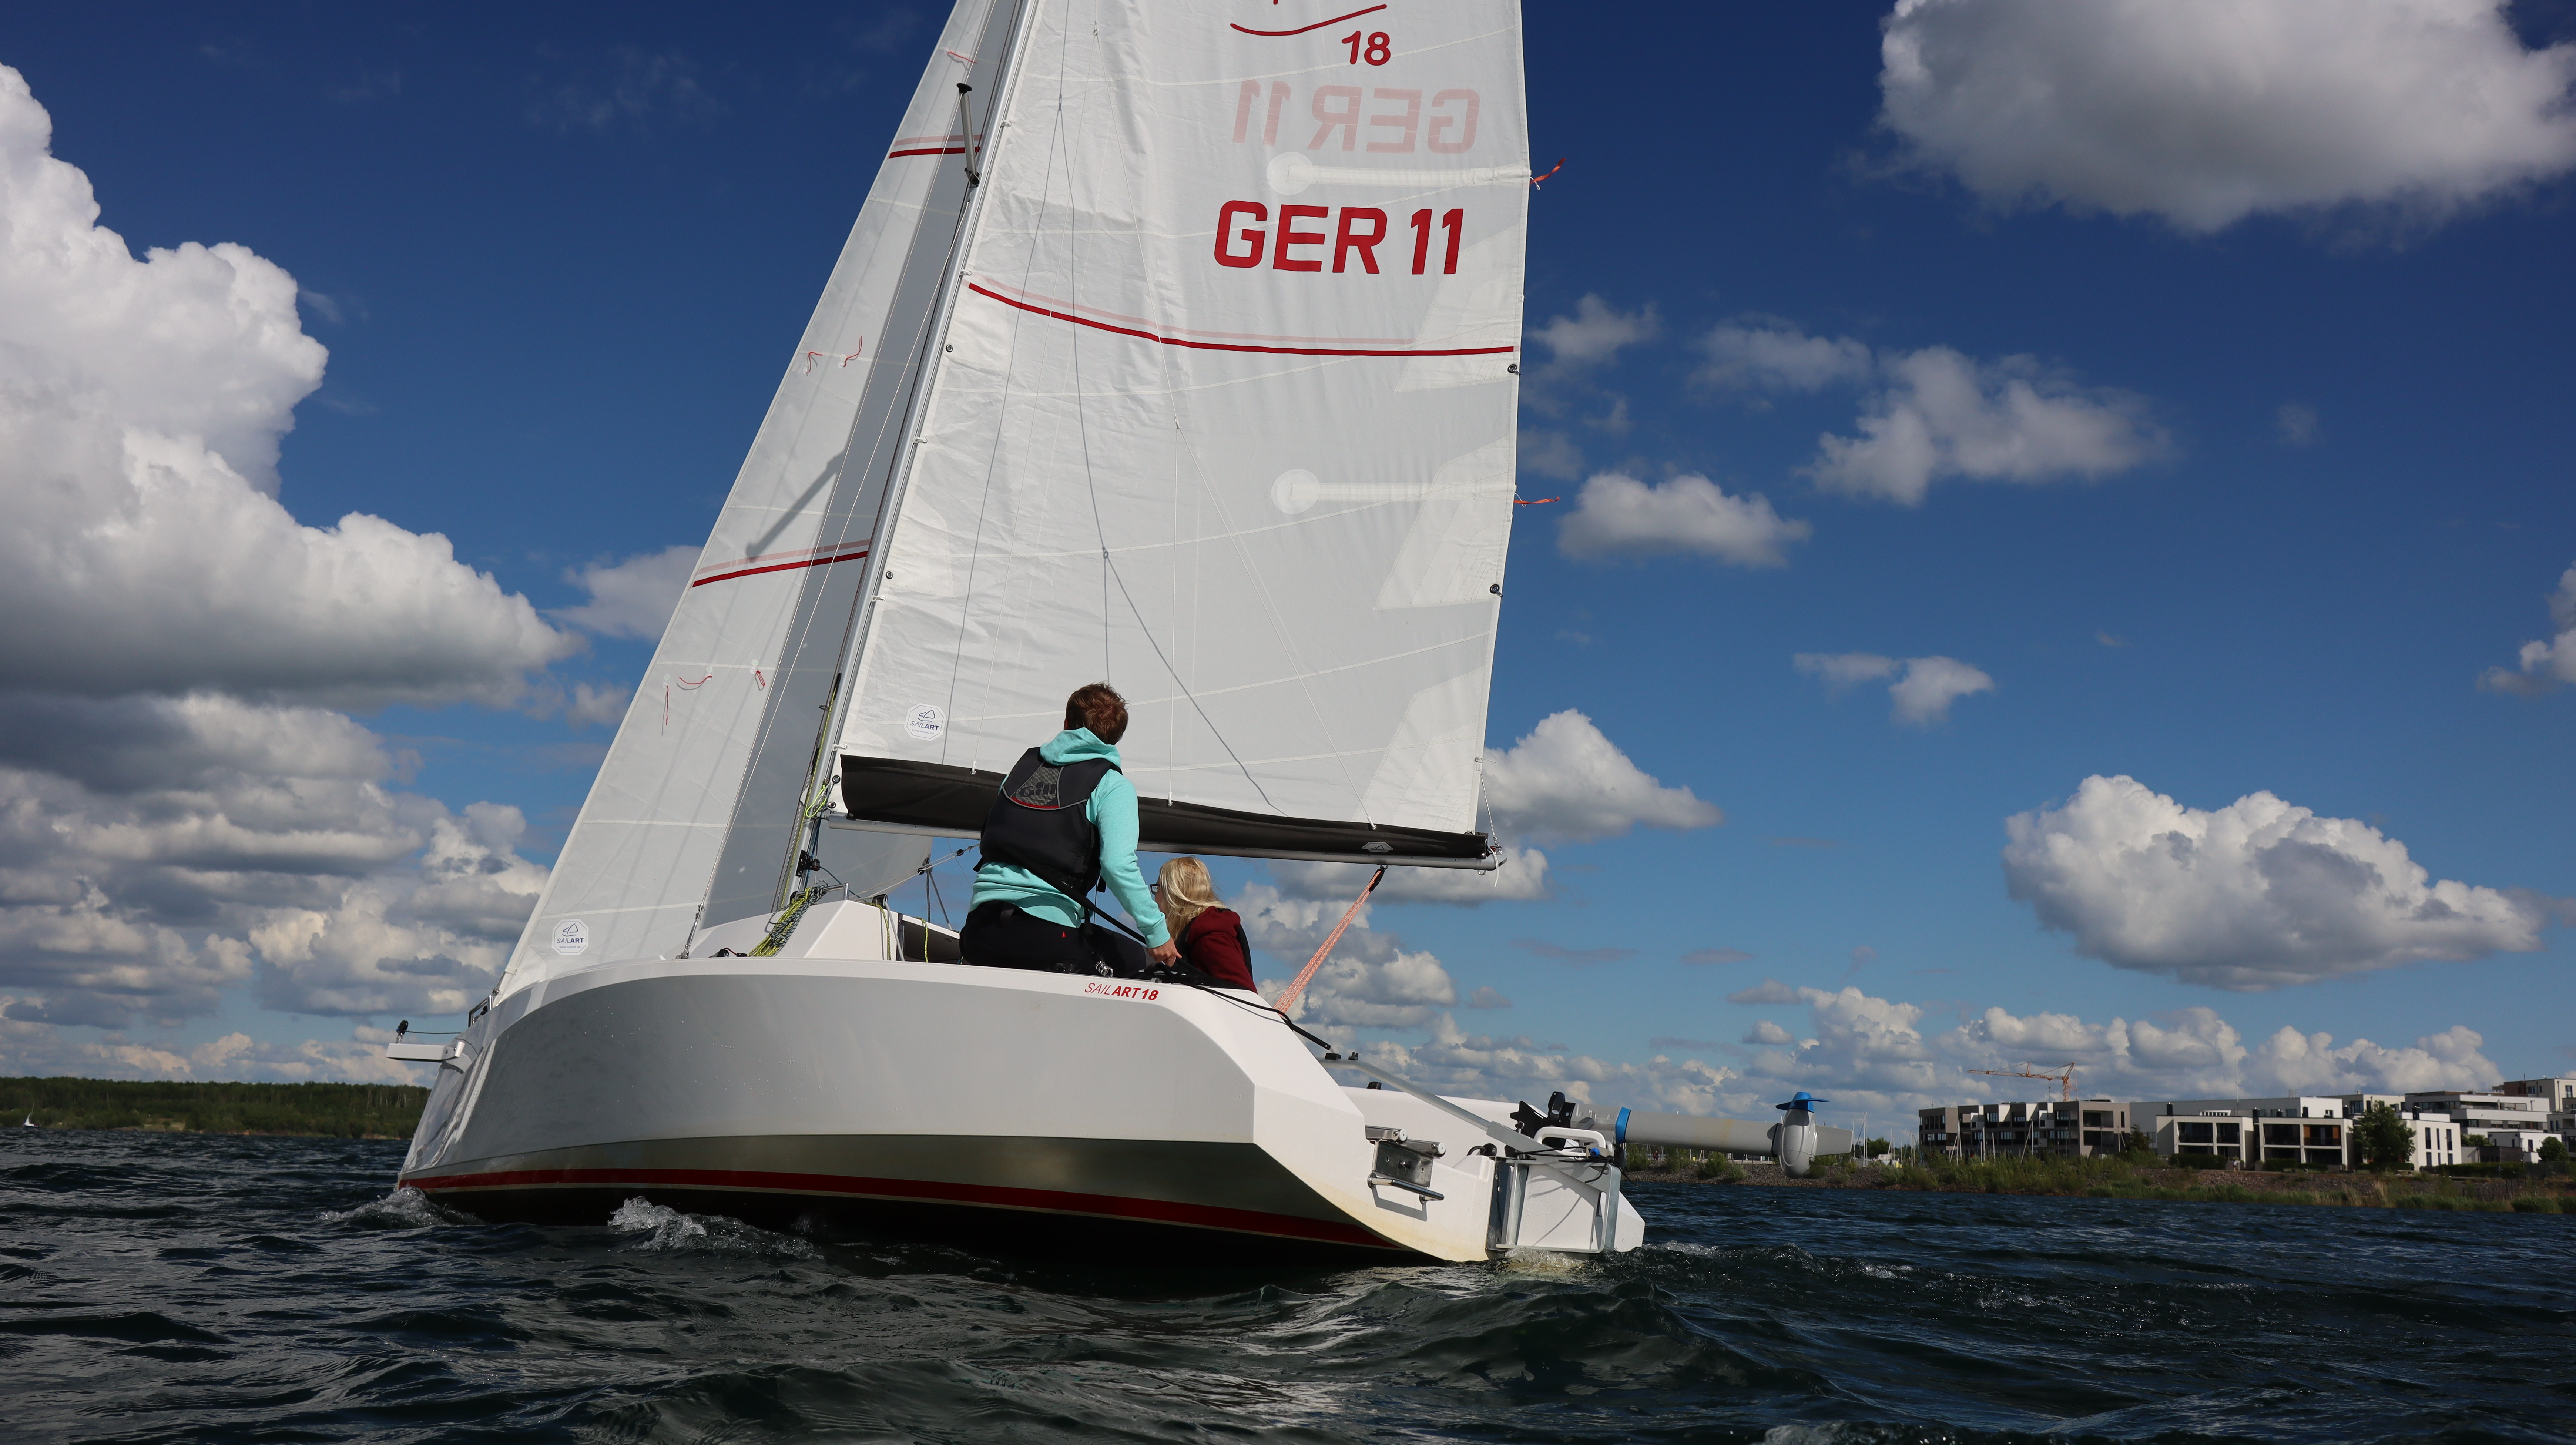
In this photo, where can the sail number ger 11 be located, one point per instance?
(1243, 241)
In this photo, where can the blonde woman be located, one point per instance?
(1209, 933)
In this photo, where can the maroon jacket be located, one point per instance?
(1214, 944)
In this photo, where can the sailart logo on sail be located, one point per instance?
(572, 936)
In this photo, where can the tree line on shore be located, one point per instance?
(342, 1111)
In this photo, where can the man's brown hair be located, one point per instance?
(1097, 706)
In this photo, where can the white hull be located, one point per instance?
(1014, 1109)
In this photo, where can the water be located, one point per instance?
(220, 1289)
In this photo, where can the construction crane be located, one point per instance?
(2065, 1077)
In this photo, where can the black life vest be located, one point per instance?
(1040, 823)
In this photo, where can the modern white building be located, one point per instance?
(2223, 1135)
(2437, 1135)
(2301, 1129)
(2556, 1096)
(2485, 1113)
(2515, 1146)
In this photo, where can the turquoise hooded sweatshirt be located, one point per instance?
(1112, 811)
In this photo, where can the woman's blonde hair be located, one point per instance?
(1187, 892)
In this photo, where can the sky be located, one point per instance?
(2063, 548)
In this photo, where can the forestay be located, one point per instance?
(1224, 414)
(695, 809)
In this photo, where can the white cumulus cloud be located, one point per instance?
(2204, 112)
(1923, 689)
(2548, 664)
(1869, 1055)
(153, 850)
(1478, 1066)
(1402, 991)
(1781, 358)
(2291, 1062)
(181, 812)
(2196, 1054)
(2254, 895)
(141, 404)
(1937, 413)
(1941, 414)
(1564, 780)
(1596, 332)
(1618, 515)
(633, 597)
(38, 1049)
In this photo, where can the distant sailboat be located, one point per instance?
(1111, 379)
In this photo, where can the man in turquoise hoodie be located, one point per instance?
(1064, 824)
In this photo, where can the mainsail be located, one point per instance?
(1202, 381)
(694, 816)
(1222, 411)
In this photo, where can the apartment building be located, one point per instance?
(2066, 1128)
(2437, 1135)
(2516, 1118)
(2224, 1135)
(2478, 1112)
(2557, 1098)
(2300, 1129)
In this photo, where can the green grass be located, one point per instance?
(2126, 1178)
(2016, 1176)
(345, 1111)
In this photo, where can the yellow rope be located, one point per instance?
(785, 924)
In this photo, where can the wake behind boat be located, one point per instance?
(1166, 348)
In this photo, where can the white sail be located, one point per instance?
(1223, 413)
(1270, 501)
(694, 814)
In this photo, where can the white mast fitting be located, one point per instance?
(1174, 345)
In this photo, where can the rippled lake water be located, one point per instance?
(219, 1289)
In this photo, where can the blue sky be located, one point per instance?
(2310, 481)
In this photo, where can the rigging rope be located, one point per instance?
(1294, 991)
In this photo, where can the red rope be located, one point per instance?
(1288, 999)
(1551, 170)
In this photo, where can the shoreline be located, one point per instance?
(2119, 1179)
(190, 1106)
(182, 1128)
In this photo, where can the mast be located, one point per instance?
(771, 823)
(805, 833)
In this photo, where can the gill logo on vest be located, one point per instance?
(1042, 789)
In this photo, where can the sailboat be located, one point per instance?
(1175, 344)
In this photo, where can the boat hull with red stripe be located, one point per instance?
(1009, 1110)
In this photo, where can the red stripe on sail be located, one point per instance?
(1318, 25)
(1236, 346)
(781, 567)
(1050, 1201)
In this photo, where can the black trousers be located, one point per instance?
(1000, 935)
